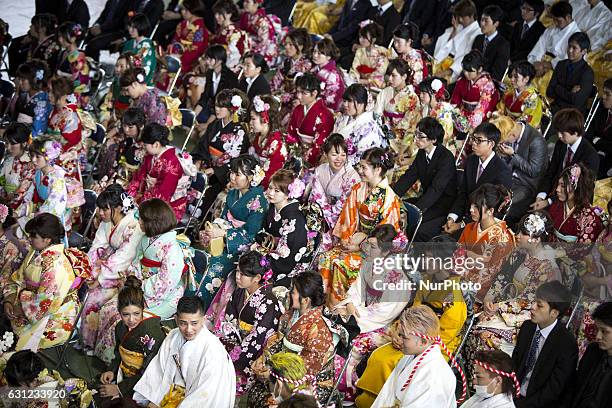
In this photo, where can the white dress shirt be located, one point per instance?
(545, 332)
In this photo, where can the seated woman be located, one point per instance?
(370, 62)
(260, 28)
(331, 184)
(235, 40)
(422, 378)
(163, 173)
(269, 142)
(17, 171)
(191, 36)
(41, 296)
(12, 250)
(522, 100)
(399, 105)
(508, 302)
(133, 82)
(73, 63)
(370, 203)
(304, 330)
(487, 238)
(32, 106)
(138, 26)
(44, 46)
(159, 261)
(137, 338)
(361, 129)
(404, 37)
(111, 253)
(495, 382)
(116, 102)
(318, 17)
(251, 316)
(311, 121)
(241, 219)
(254, 82)
(324, 55)
(475, 93)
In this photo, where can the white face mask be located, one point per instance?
(482, 390)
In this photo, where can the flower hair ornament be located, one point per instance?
(7, 341)
(438, 87)
(4, 212)
(296, 188)
(52, 149)
(535, 225)
(77, 30)
(140, 78)
(127, 203)
(236, 107)
(574, 175)
(512, 375)
(258, 175)
(505, 205)
(264, 262)
(40, 74)
(262, 108)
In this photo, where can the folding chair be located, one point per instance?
(73, 331)
(189, 121)
(415, 218)
(201, 182)
(173, 65)
(154, 30)
(89, 210)
(577, 292)
(98, 136)
(548, 115)
(593, 109)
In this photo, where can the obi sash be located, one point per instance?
(469, 105)
(235, 222)
(565, 238)
(149, 263)
(215, 152)
(394, 115)
(131, 362)
(244, 326)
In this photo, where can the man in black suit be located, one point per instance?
(483, 166)
(494, 47)
(75, 11)
(344, 33)
(571, 148)
(280, 8)
(572, 79)
(253, 82)
(546, 353)
(434, 167)
(524, 149)
(599, 131)
(527, 32)
(420, 12)
(387, 16)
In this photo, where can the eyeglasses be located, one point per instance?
(420, 135)
(478, 141)
(527, 9)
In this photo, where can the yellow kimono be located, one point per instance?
(601, 62)
(526, 106)
(315, 18)
(380, 365)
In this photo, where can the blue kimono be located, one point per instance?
(244, 215)
(36, 112)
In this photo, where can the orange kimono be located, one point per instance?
(361, 214)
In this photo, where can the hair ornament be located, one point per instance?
(140, 78)
(258, 175)
(574, 175)
(4, 211)
(40, 74)
(262, 108)
(296, 188)
(365, 23)
(127, 203)
(7, 341)
(535, 225)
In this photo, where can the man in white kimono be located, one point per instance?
(191, 359)
(433, 383)
(594, 18)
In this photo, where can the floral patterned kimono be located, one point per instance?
(497, 241)
(583, 226)
(190, 41)
(134, 349)
(475, 99)
(330, 191)
(402, 113)
(145, 49)
(249, 321)
(416, 61)
(242, 218)
(282, 84)
(160, 265)
(79, 68)
(236, 43)
(47, 50)
(450, 118)
(271, 152)
(153, 106)
(361, 214)
(10, 259)
(16, 178)
(260, 28)
(221, 143)
(111, 253)
(309, 127)
(332, 83)
(361, 133)
(526, 106)
(46, 194)
(371, 65)
(36, 113)
(44, 293)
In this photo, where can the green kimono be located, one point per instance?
(145, 49)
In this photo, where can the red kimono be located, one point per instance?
(310, 128)
(272, 154)
(158, 177)
(190, 41)
(235, 41)
(260, 28)
(582, 226)
(477, 99)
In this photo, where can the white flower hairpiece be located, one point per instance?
(258, 175)
(296, 188)
(140, 78)
(322, 86)
(127, 203)
(436, 85)
(7, 341)
(236, 101)
(40, 74)
(259, 105)
(4, 211)
(535, 225)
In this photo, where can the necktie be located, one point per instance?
(380, 10)
(485, 44)
(479, 173)
(533, 351)
(427, 159)
(568, 157)
(525, 29)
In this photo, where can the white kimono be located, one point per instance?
(361, 133)
(433, 384)
(461, 46)
(208, 372)
(553, 41)
(596, 22)
(496, 401)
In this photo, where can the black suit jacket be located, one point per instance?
(228, 80)
(530, 159)
(496, 172)
(438, 180)
(553, 369)
(422, 13)
(562, 82)
(589, 374)
(585, 153)
(520, 48)
(389, 20)
(345, 31)
(280, 8)
(496, 54)
(259, 87)
(77, 12)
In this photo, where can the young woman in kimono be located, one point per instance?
(111, 253)
(18, 169)
(191, 36)
(73, 63)
(311, 121)
(161, 173)
(362, 129)
(269, 142)
(487, 238)
(11, 253)
(116, 102)
(404, 37)
(296, 61)
(370, 62)
(41, 296)
(422, 378)
(305, 330)
(251, 316)
(370, 203)
(133, 81)
(260, 28)
(324, 55)
(45, 46)
(331, 184)
(399, 105)
(35, 108)
(137, 338)
(159, 262)
(522, 101)
(235, 40)
(475, 93)
(142, 46)
(241, 219)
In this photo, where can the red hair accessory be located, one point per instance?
(512, 375)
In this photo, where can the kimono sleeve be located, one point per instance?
(347, 222)
(324, 123)
(114, 364)
(391, 211)
(452, 320)
(56, 202)
(40, 122)
(316, 347)
(138, 178)
(116, 265)
(165, 185)
(291, 246)
(100, 243)
(238, 238)
(317, 195)
(169, 274)
(135, 267)
(486, 103)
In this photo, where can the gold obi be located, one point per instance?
(174, 397)
(131, 362)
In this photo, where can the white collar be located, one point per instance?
(250, 81)
(492, 36)
(385, 7)
(486, 162)
(574, 146)
(530, 23)
(522, 133)
(215, 76)
(546, 331)
(430, 154)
